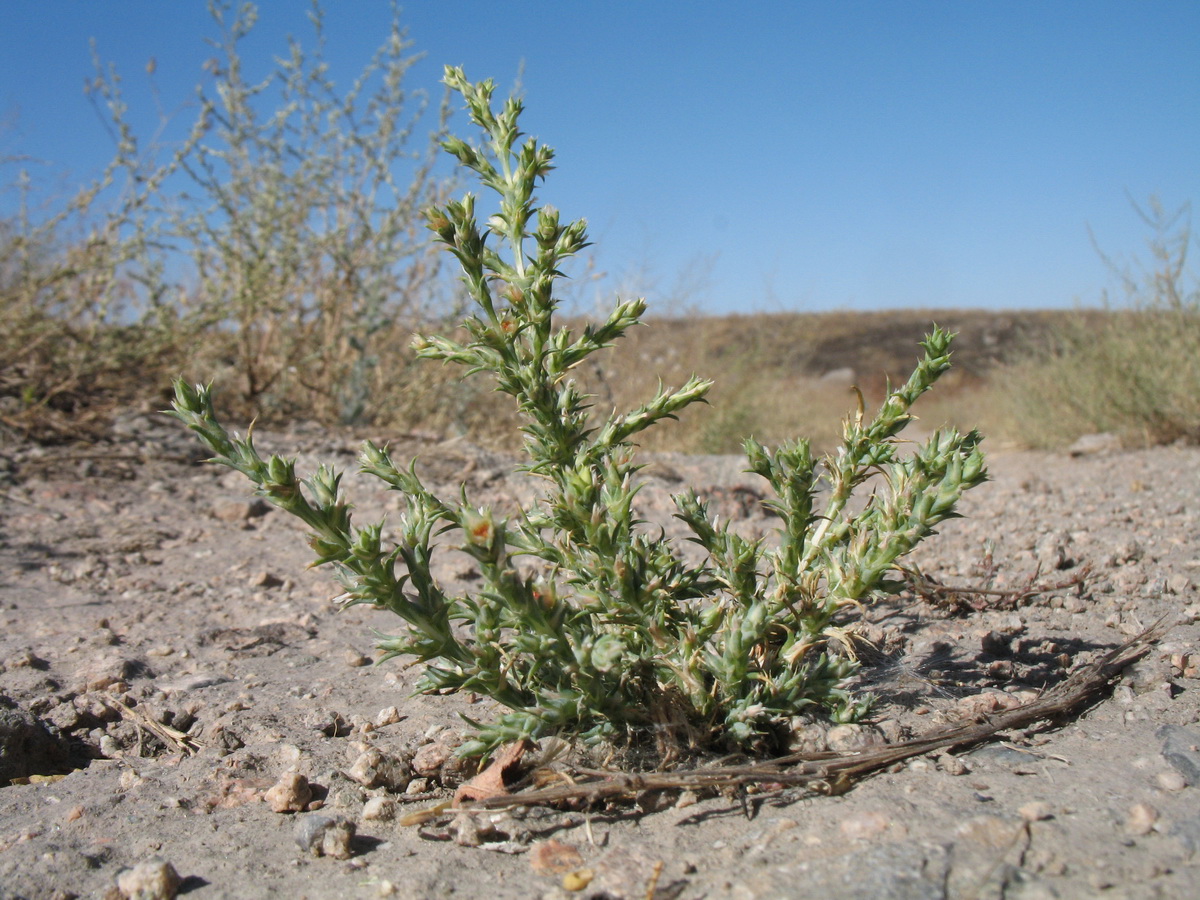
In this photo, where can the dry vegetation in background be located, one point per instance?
(277, 244)
(779, 375)
(1133, 370)
(285, 258)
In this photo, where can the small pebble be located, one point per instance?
(232, 511)
(892, 731)
(429, 759)
(1052, 552)
(356, 660)
(323, 836)
(466, 831)
(805, 737)
(191, 683)
(952, 765)
(996, 644)
(686, 798)
(991, 831)
(1178, 584)
(1127, 551)
(1036, 811)
(1001, 669)
(387, 716)
(154, 879)
(852, 737)
(1011, 624)
(987, 703)
(554, 857)
(379, 808)
(1103, 442)
(1073, 604)
(1171, 781)
(1098, 880)
(292, 793)
(265, 579)
(376, 769)
(578, 880)
(26, 659)
(1141, 819)
(864, 826)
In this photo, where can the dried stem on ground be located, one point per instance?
(954, 597)
(180, 741)
(833, 772)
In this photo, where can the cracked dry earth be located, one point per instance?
(179, 695)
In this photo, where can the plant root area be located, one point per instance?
(184, 711)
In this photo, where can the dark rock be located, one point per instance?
(325, 836)
(1187, 832)
(26, 747)
(1181, 748)
(997, 644)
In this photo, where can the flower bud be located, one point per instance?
(607, 652)
(484, 534)
(440, 225)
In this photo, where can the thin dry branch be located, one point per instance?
(832, 772)
(950, 595)
(171, 737)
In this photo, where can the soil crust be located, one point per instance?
(183, 707)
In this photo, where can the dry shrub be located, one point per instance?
(1135, 373)
(307, 243)
(66, 359)
(1132, 369)
(279, 245)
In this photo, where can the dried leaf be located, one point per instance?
(494, 781)
(553, 857)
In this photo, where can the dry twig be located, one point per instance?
(951, 596)
(171, 737)
(832, 772)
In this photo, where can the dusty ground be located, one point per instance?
(137, 586)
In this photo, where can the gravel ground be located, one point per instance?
(218, 721)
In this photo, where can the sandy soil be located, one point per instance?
(139, 589)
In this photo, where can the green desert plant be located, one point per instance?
(615, 634)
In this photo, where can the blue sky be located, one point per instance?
(772, 155)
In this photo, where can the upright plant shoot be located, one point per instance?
(615, 635)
